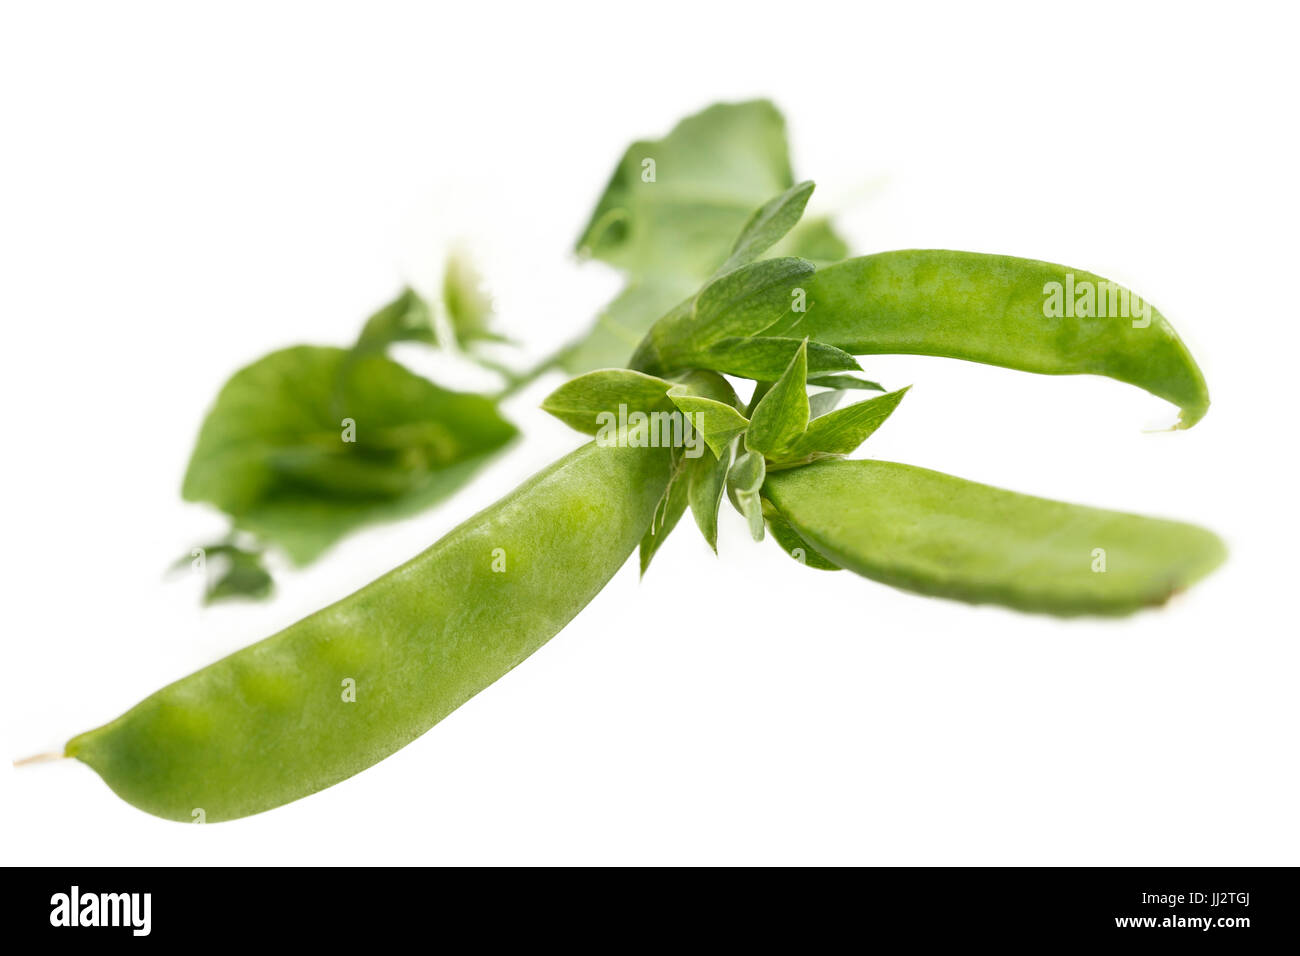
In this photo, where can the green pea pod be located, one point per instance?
(1000, 310)
(924, 531)
(344, 688)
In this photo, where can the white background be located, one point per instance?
(185, 190)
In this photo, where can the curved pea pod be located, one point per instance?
(925, 531)
(1001, 310)
(344, 688)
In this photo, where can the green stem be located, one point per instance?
(515, 381)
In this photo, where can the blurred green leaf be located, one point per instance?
(406, 319)
(669, 224)
(310, 442)
(469, 305)
(625, 321)
(675, 205)
(230, 572)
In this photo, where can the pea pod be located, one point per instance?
(924, 531)
(274, 722)
(1001, 310)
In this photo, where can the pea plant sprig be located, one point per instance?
(343, 688)
(781, 458)
(309, 443)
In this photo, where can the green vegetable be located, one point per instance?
(347, 686)
(710, 172)
(995, 309)
(925, 531)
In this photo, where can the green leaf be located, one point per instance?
(782, 414)
(793, 544)
(230, 572)
(837, 433)
(718, 422)
(823, 402)
(468, 303)
(997, 310)
(843, 382)
(274, 453)
(769, 223)
(765, 359)
(928, 532)
(244, 577)
(581, 402)
(739, 304)
(668, 512)
(710, 173)
(744, 486)
(669, 235)
(707, 477)
(406, 319)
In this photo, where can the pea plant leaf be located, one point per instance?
(669, 511)
(408, 318)
(719, 422)
(837, 386)
(582, 402)
(845, 382)
(836, 433)
(672, 213)
(781, 415)
(311, 442)
(1000, 310)
(764, 359)
(230, 572)
(745, 487)
(740, 303)
(470, 309)
(823, 402)
(932, 533)
(768, 225)
(676, 204)
(706, 480)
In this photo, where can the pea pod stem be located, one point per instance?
(39, 758)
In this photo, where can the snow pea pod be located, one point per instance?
(925, 531)
(342, 689)
(1000, 310)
